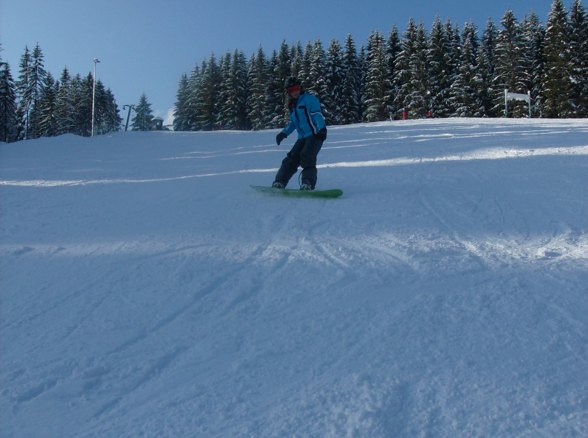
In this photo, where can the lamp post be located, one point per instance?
(96, 61)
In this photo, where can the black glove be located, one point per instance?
(322, 134)
(281, 136)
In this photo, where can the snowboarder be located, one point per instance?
(307, 119)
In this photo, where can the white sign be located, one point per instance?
(516, 96)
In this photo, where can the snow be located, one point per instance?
(146, 290)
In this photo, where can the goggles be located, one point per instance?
(294, 88)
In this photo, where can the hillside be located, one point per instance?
(146, 290)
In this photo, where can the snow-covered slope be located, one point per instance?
(146, 290)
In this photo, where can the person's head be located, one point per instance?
(293, 87)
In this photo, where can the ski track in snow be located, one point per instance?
(145, 290)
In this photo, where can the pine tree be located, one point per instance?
(107, 115)
(579, 58)
(416, 102)
(225, 95)
(350, 87)
(334, 100)
(317, 78)
(393, 48)
(362, 67)
(180, 108)
(377, 85)
(534, 64)
(208, 92)
(143, 120)
(192, 103)
(256, 102)
(64, 106)
(557, 82)
(47, 124)
(306, 66)
(454, 49)
(402, 76)
(8, 126)
(37, 78)
(82, 103)
(296, 55)
(238, 79)
(279, 69)
(486, 69)
(411, 72)
(439, 62)
(464, 88)
(25, 95)
(510, 71)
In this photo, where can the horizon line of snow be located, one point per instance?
(481, 154)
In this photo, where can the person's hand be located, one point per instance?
(281, 136)
(322, 134)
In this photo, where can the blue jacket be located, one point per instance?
(305, 116)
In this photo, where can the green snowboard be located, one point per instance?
(332, 193)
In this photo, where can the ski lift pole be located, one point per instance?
(130, 107)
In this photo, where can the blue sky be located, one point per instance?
(146, 45)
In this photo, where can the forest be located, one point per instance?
(447, 71)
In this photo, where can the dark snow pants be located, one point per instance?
(303, 153)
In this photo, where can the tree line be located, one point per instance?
(447, 72)
(37, 105)
(444, 72)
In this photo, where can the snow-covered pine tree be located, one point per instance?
(8, 128)
(402, 76)
(557, 82)
(238, 74)
(143, 119)
(296, 56)
(418, 104)
(192, 103)
(64, 105)
(274, 93)
(306, 66)
(107, 115)
(110, 120)
(439, 62)
(362, 67)
(579, 58)
(350, 86)
(455, 48)
(464, 89)
(510, 68)
(81, 90)
(25, 94)
(376, 85)
(280, 69)
(180, 108)
(207, 95)
(46, 107)
(533, 41)
(257, 79)
(393, 48)
(225, 94)
(486, 68)
(316, 83)
(411, 72)
(37, 78)
(334, 100)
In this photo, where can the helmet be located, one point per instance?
(292, 81)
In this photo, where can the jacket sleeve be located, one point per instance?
(290, 127)
(314, 108)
